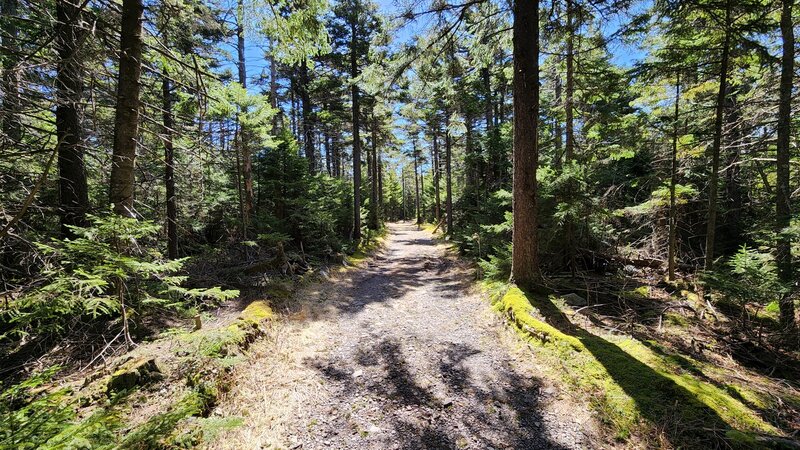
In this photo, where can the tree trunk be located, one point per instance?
(373, 210)
(569, 149)
(308, 125)
(716, 147)
(126, 122)
(247, 178)
(337, 158)
(557, 130)
(470, 155)
(356, 137)
(403, 192)
(326, 139)
(244, 133)
(436, 175)
(783, 209)
(730, 234)
(73, 189)
(673, 181)
(448, 157)
(239, 191)
(240, 43)
(293, 106)
(369, 182)
(169, 169)
(525, 260)
(381, 211)
(273, 90)
(416, 181)
(422, 194)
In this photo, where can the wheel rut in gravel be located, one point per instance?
(401, 354)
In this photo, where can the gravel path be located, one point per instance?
(403, 355)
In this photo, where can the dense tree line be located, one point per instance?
(549, 140)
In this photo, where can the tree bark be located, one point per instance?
(673, 181)
(244, 133)
(558, 143)
(381, 210)
(716, 147)
(416, 181)
(169, 169)
(73, 189)
(569, 150)
(472, 159)
(354, 72)
(448, 163)
(240, 61)
(403, 192)
(273, 91)
(783, 208)
(436, 175)
(421, 195)
(369, 181)
(126, 123)
(373, 211)
(337, 158)
(731, 231)
(525, 260)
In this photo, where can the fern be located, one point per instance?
(92, 274)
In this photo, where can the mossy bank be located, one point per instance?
(646, 394)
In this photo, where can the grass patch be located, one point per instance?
(366, 248)
(430, 227)
(636, 387)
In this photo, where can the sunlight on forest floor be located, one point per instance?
(639, 386)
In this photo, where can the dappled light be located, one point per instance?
(399, 224)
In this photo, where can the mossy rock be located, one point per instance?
(137, 372)
(256, 312)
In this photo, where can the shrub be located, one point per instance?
(108, 269)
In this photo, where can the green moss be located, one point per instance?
(136, 372)
(633, 386)
(693, 297)
(366, 249)
(159, 430)
(218, 342)
(515, 303)
(215, 342)
(676, 319)
(357, 258)
(429, 227)
(639, 292)
(257, 311)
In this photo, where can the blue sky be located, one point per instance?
(623, 54)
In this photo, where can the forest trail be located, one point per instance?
(399, 353)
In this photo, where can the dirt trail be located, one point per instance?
(400, 353)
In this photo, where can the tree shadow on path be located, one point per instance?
(681, 418)
(460, 410)
(391, 275)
